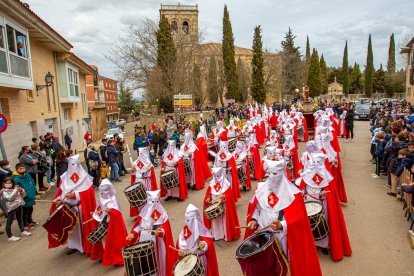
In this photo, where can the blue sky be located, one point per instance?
(92, 26)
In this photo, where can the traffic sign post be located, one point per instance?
(3, 128)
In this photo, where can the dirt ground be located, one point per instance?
(375, 221)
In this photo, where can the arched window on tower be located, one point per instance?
(186, 27)
(174, 26)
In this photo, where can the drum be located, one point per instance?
(241, 173)
(139, 259)
(316, 215)
(187, 165)
(242, 138)
(214, 211)
(60, 224)
(301, 130)
(251, 164)
(189, 265)
(99, 232)
(136, 195)
(232, 144)
(282, 140)
(170, 179)
(261, 254)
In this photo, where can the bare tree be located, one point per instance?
(402, 58)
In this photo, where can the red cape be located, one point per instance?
(199, 173)
(305, 129)
(339, 182)
(115, 239)
(256, 160)
(87, 206)
(259, 135)
(170, 257)
(248, 178)
(232, 219)
(303, 258)
(133, 212)
(202, 147)
(263, 129)
(273, 121)
(181, 179)
(295, 162)
(235, 179)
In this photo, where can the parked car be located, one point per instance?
(382, 100)
(111, 125)
(362, 111)
(110, 133)
(120, 122)
(363, 101)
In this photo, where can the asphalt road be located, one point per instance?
(375, 221)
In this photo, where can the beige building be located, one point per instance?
(409, 71)
(335, 90)
(29, 50)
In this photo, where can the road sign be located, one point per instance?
(183, 97)
(183, 102)
(3, 123)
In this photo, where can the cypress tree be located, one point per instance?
(126, 102)
(391, 56)
(229, 61)
(314, 75)
(258, 89)
(212, 84)
(379, 81)
(324, 75)
(293, 70)
(369, 70)
(308, 53)
(356, 79)
(345, 71)
(197, 85)
(242, 77)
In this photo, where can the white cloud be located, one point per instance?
(92, 26)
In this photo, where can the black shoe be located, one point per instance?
(392, 194)
(71, 251)
(118, 180)
(325, 251)
(193, 188)
(244, 188)
(168, 198)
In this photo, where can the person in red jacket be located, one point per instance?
(318, 185)
(224, 227)
(109, 211)
(76, 189)
(197, 239)
(153, 224)
(278, 205)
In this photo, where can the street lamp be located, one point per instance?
(48, 82)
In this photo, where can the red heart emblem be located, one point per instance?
(74, 177)
(185, 148)
(230, 128)
(155, 215)
(272, 199)
(236, 155)
(217, 187)
(140, 165)
(170, 156)
(222, 155)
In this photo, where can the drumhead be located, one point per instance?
(132, 187)
(185, 265)
(140, 245)
(212, 206)
(167, 173)
(313, 208)
(254, 244)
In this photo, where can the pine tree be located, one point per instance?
(379, 81)
(369, 70)
(212, 84)
(391, 56)
(197, 89)
(229, 61)
(345, 71)
(308, 53)
(324, 75)
(243, 85)
(258, 89)
(293, 69)
(166, 58)
(126, 102)
(314, 75)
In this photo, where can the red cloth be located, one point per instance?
(295, 162)
(88, 136)
(256, 160)
(133, 212)
(273, 121)
(305, 130)
(87, 206)
(248, 179)
(259, 135)
(232, 219)
(339, 182)
(202, 147)
(212, 265)
(115, 239)
(199, 173)
(235, 179)
(170, 257)
(181, 178)
(301, 245)
(223, 136)
(263, 129)
(335, 142)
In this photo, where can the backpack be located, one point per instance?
(93, 165)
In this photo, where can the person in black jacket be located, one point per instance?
(102, 149)
(112, 154)
(68, 140)
(94, 164)
(349, 124)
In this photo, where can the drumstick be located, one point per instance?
(87, 221)
(240, 227)
(318, 193)
(172, 247)
(44, 200)
(149, 230)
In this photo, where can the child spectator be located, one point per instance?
(12, 198)
(405, 161)
(104, 171)
(25, 181)
(379, 152)
(5, 170)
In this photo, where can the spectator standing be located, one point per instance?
(28, 160)
(138, 143)
(68, 140)
(113, 154)
(24, 180)
(349, 125)
(94, 164)
(5, 170)
(120, 146)
(104, 171)
(61, 165)
(12, 200)
(379, 153)
(42, 167)
(46, 152)
(155, 140)
(102, 150)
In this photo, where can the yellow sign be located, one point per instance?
(183, 102)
